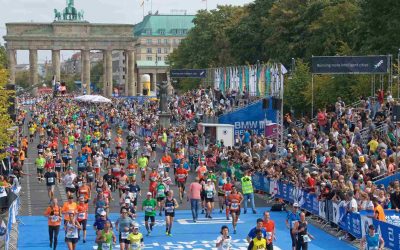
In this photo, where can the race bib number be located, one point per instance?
(149, 209)
(169, 209)
(269, 235)
(160, 192)
(99, 210)
(293, 222)
(106, 246)
(235, 206)
(79, 184)
(124, 235)
(210, 195)
(50, 180)
(306, 238)
(90, 175)
(54, 218)
(135, 245)
(82, 216)
(134, 195)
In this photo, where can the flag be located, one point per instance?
(283, 71)
(142, 3)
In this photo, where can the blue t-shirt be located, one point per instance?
(246, 137)
(252, 234)
(292, 218)
(99, 224)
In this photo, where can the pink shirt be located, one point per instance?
(194, 190)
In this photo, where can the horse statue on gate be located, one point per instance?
(57, 15)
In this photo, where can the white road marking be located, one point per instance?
(28, 184)
(216, 220)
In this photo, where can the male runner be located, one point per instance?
(149, 206)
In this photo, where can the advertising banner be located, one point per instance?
(385, 181)
(350, 64)
(188, 73)
(252, 117)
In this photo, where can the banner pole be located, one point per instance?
(312, 96)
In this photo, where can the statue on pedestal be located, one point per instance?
(163, 89)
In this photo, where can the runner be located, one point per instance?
(209, 189)
(300, 229)
(142, 163)
(181, 176)
(51, 178)
(258, 242)
(222, 180)
(136, 238)
(71, 228)
(161, 192)
(68, 181)
(292, 217)
(224, 240)
(195, 190)
(170, 205)
(105, 237)
(40, 162)
(122, 226)
(254, 231)
(374, 240)
(149, 205)
(53, 213)
(69, 207)
(82, 210)
(234, 202)
(269, 226)
(153, 178)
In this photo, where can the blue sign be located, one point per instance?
(387, 180)
(252, 117)
(188, 73)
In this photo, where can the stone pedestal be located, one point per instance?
(12, 61)
(130, 82)
(55, 60)
(85, 55)
(165, 120)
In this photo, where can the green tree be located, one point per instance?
(295, 87)
(96, 75)
(22, 78)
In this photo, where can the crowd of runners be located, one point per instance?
(101, 154)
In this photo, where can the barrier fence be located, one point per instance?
(355, 224)
(6, 225)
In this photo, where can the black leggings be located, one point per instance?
(53, 232)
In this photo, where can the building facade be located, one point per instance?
(155, 38)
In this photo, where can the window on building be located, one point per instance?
(165, 50)
(148, 31)
(165, 41)
(166, 58)
(148, 41)
(174, 41)
(159, 51)
(159, 58)
(149, 50)
(124, 69)
(184, 31)
(123, 53)
(149, 58)
(123, 77)
(180, 32)
(161, 31)
(159, 41)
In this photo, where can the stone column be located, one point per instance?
(33, 68)
(12, 62)
(109, 77)
(85, 57)
(154, 85)
(130, 70)
(104, 74)
(55, 60)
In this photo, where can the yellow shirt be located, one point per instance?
(135, 239)
(259, 244)
(373, 145)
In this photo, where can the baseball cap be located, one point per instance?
(149, 193)
(296, 204)
(208, 180)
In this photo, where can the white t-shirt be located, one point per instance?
(353, 205)
(226, 245)
(69, 180)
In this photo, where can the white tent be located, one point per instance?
(92, 98)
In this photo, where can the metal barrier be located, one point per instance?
(7, 223)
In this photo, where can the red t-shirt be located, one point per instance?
(181, 174)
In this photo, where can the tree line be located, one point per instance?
(279, 30)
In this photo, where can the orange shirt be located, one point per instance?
(24, 143)
(85, 190)
(202, 170)
(181, 174)
(67, 207)
(53, 220)
(379, 213)
(82, 209)
(166, 159)
(234, 200)
(132, 166)
(270, 228)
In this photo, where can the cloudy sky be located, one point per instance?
(96, 11)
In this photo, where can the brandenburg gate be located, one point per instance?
(70, 32)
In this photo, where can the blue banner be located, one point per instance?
(260, 182)
(252, 117)
(390, 234)
(387, 180)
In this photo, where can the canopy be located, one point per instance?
(92, 98)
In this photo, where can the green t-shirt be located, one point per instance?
(142, 162)
(108, 244)
(149, 207)
(40, 162)
(161, 191)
